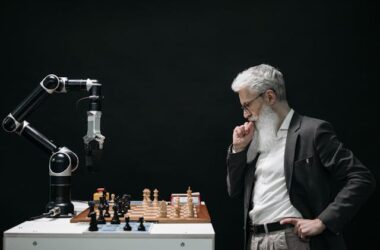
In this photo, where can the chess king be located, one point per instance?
(300, 184)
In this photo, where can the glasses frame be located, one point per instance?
(246, 105)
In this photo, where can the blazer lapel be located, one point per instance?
(290, 147)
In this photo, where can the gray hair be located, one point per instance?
(261, 78)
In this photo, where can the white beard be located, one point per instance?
(266, 126)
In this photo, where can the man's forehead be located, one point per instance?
(245, 94)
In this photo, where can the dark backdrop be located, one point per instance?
(168, 115)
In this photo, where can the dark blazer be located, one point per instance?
(324, 179)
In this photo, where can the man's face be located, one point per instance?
(265, 119)
(251, 102)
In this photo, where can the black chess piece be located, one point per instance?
(101, 219)
(141, 226)
(91, 205)
(127, 227)
(105, 194)
(102, 200)
(115, 217)
(126, 201)
(128, 198)
(120, 211)
(107, 213)
(116, 200)
(93, 223)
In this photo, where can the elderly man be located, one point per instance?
(300, 185)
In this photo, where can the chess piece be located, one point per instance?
(145, 197)
(141, 226)
(104, 193)
(112, 198)
(93, 223)
(177, 208)
(120, 210)
(190, 206)
(163, 210)
(126, 203)
(115, 217)
(189, 192)
(91, 205)
(107, 213)
(127, 227)
(102, 200)
(98, 194)
(101, 219)
(148, 195)
(155, 200)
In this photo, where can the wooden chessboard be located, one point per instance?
(151, 213)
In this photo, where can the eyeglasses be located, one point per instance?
(246, 105)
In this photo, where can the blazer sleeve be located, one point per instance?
(358, 182)
(236, 165)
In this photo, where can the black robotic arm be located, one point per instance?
(62, 160)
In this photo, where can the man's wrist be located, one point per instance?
(322, 226)
(235, 149)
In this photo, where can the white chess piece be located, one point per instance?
(155, 200)
(145, 197)
(190, 207)
(148, 195)
(189, 192)
(163, 209)
(177, 208)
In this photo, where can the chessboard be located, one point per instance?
(151, 214)
(148, 209)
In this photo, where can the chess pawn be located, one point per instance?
(101, 219)
(145, 201)
(155, 200)
(163, 209)
(112, 198)
(127, 227)
(115, 217)
(93, 223)
(141, 227)
(148, 195)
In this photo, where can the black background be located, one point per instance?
(166, 69)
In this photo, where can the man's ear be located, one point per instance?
(270, 96)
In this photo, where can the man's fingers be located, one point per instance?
(241, 136)
(300, 233)
(251, 129)
(238, 131)
(248, 128)
(246, 124)
(292, 221)
(241, 131)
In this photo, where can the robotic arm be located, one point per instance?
(62, 160)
